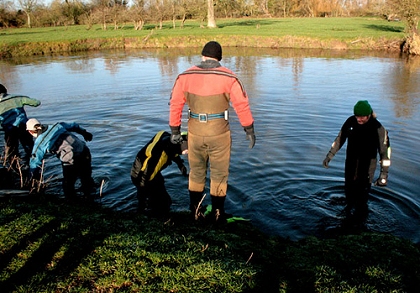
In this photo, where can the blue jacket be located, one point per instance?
(58, 140)
(11, 110)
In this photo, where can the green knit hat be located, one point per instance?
(362, 108)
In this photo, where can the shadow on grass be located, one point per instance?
(249, 23)
(52, 245)
(50, 250)
(385, 28)
(220, 24)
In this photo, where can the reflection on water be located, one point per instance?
(299, 99)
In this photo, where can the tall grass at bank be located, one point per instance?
(50, 245)
(361, 32)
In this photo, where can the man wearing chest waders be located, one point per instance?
(208, 89)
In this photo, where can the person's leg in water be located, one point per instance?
(27, 142)
(357, 193)
(141, 193)
(219, 173)
(69, 180)
(196, 207)
(159, 201)
(11, 145)
(84, 164)
(198, 161)
(361, 200)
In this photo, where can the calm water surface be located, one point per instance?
(299, 101)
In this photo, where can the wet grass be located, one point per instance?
(51, 245)
(327, 33)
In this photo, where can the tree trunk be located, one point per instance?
(211, 21)
(28, 17)
(173, 15)
(412, 44)
(184, 17)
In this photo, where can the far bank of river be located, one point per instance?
(80, 45)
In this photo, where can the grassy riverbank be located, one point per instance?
(50, 245)
(326, 33)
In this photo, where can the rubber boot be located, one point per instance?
(195, 204)
(218, 214)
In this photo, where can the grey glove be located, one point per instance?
(326, 162)
(327, 159)
(382, 180)
(250, 135)
(176, 136)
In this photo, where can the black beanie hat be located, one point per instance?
(3, 90)
(213, 50)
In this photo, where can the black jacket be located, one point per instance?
(364, 142)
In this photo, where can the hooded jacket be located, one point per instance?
(57, 139)
(12, 112)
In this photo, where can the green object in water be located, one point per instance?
(228, 220)
(234, 219)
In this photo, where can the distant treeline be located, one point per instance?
(115, 14)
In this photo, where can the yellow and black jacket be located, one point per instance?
(155, 156)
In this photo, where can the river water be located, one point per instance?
(299, 99)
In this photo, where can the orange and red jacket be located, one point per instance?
(212, 89)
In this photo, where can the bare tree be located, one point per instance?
(102, 11)
(158, 10)
(5, 13)
(118, 9)
(410, 11)
(211, 20)
(137, 14)
(264, 7)
(73, 9)
(28, 6)
(183, 8)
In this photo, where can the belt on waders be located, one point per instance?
(203, 117)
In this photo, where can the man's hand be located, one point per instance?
(326, 162)
(250, 135)
(87, 136)
(176, 137)
(382, 180)
(183, 170)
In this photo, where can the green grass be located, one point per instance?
(328, 33)
(50, 245)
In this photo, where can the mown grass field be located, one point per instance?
(327, 33)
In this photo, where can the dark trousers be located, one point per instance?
(153, 198)
(82, 169)
(357, 193)
(357, 182)
(12, 138)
